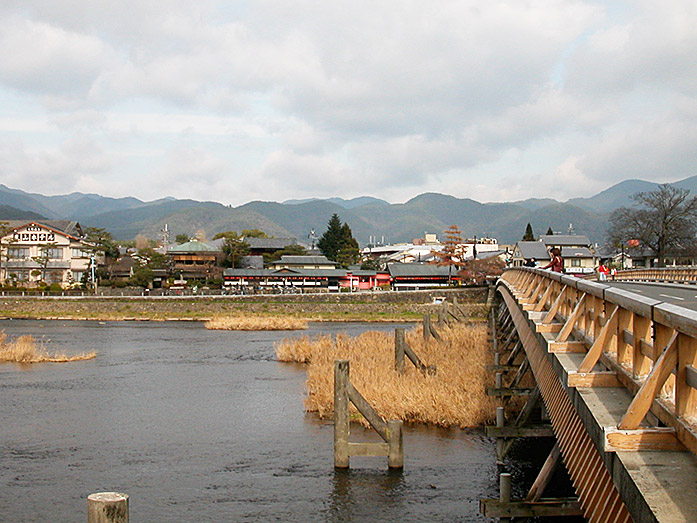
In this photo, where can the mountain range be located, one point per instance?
(368, 217)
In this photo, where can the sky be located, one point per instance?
(234, 101)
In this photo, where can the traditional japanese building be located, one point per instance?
(417, 276)
(196, 260)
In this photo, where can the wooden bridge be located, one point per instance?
(616, 374)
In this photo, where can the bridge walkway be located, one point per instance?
(616, 373)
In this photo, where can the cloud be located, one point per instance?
(48, 60)
(661, 151)
(240, 100)
(58, 170)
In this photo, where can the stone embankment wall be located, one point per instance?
(378, 306)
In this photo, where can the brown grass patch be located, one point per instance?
(455, 396)
(257, 323)
(27, 349)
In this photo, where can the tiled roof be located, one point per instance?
(193, 246)
(564, 239)
(576, 252)
(405, 270)
(270, 243)
(304, 260)
(535, 250)
(69, 227)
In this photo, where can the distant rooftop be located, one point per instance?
(418, 269)
(304, 260)
(564, 239)
(533, 249)
(275, 244)
(194, 246)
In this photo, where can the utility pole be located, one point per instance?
(93, 263)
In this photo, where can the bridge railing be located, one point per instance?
(648, 347)
(662, 274)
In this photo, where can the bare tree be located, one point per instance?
(661, 220)
(452, 253)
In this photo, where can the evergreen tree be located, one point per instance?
(330, 242)
(550, 232)
(348, 252)
(528, 236)
(337, 243)
(181, 238)
(234, 248)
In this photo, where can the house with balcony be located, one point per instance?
(49, 251)
(196, 260)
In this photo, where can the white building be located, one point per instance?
(423, 250)
(52, 251)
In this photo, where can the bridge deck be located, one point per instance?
(654, 485)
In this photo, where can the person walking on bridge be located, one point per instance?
(557, 262)
(603, 271)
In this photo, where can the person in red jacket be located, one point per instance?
(603, 271)
(557, 262)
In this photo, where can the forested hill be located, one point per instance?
(431, 212)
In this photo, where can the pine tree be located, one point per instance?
(338, 243)
(348, 253)
(528, 236)
(550, 232)
(330, 242)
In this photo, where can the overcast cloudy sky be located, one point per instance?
(234, 101)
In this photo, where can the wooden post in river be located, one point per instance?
(107, 507)
(402, 350)
(390, 432)
(341, 414)
(399, 343)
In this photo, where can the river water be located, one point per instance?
(199, 425)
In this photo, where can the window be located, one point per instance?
(575, 262)
(18, 253)
(53, 253)
(79, 253)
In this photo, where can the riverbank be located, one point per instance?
(373, 307)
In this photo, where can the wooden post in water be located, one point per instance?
(443, 314)
(505, 492)
(399, 343)
(500, 442)
(427, 326)
(341, 414)
(395, 457)
(107, 507)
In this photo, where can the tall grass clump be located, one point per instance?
(256, 323)
(454, 396)
(27, 349)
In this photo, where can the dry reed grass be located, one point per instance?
(256, 323)
(455, 396)
(27, 349)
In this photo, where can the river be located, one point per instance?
(199, 425)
